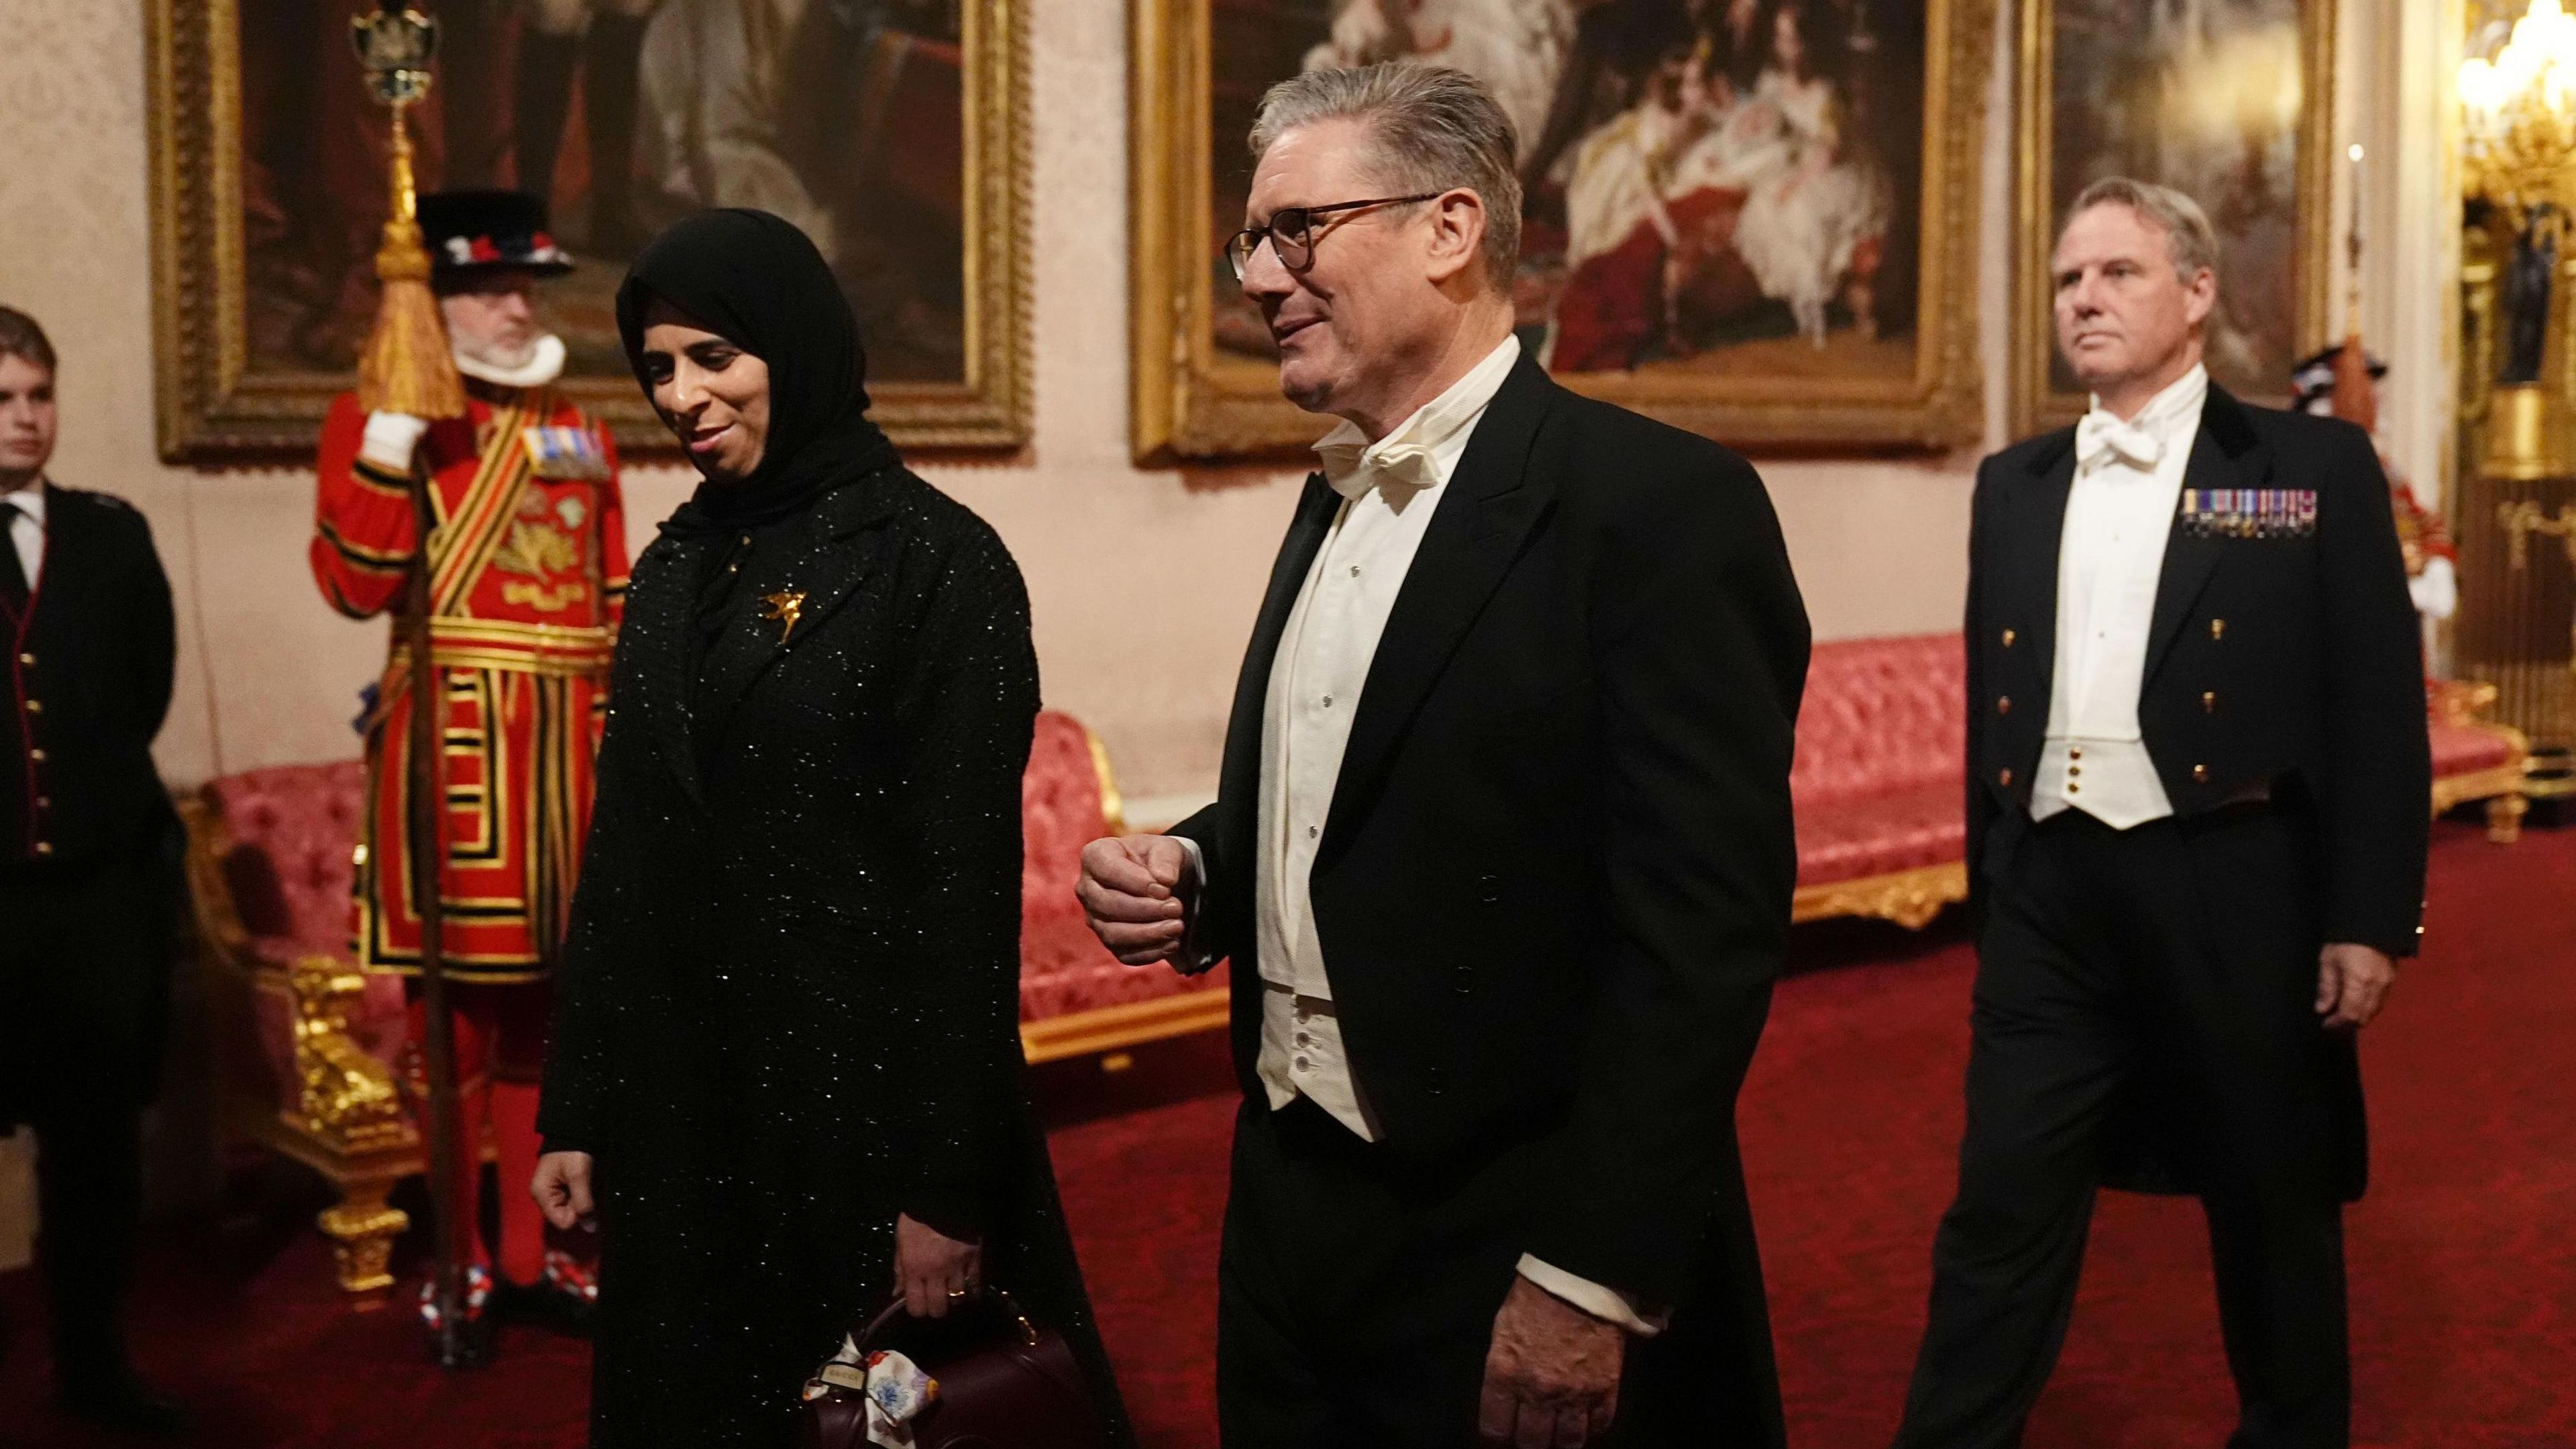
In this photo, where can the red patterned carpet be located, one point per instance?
(2464, 1278)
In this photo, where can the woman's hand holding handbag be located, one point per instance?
(986, 1379)
(931, 1269)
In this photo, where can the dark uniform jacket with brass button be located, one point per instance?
(2283, 664)
(90, 668)
(2283, 659)
(82, 809)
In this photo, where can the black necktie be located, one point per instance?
(13, 577)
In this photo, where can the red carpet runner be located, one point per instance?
(2463, 1270)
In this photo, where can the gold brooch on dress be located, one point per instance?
(786, 607)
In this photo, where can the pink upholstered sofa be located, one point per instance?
(1075, 998)
(1878, 779)
(305, 1042)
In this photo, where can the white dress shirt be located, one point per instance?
(27, 528)
(1390, 490)
(2119, 513)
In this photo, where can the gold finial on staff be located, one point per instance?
(406, 367)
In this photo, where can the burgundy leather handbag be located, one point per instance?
(1004, 1383)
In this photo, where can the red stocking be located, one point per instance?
(473, 1107)
(523, 1225)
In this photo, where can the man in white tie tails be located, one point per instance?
(2197, 818)
(1502, 848)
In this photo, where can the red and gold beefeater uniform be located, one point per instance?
(528, 580)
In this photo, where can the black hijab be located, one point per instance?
(758, 282)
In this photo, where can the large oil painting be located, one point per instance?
(1754, 218)
(891, 131)
(2227, 100)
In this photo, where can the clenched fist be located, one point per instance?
(1138, 890)
(562, 1188)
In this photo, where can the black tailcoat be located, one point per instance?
(2287, 664)
(789, 1002)
(1553, 888)
(94, 659)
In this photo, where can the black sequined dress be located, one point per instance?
(788, 1005)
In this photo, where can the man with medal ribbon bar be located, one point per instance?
(2197, 772)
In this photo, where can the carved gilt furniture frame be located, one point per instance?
(348, 1123)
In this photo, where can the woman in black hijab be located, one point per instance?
(785, 1078)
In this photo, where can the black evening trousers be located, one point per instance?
(2166, 972)
(1356, 1297)
(81, 973)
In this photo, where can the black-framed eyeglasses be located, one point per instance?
(1291, 232)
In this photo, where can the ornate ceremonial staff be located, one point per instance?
(406, 368)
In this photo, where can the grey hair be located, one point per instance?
(1433, 129)
(2189, 238)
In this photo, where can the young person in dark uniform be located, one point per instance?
(88, 876)
(2198, 791)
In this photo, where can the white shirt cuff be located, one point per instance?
(1607, 1304)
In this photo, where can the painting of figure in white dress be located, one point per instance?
(1714, 187)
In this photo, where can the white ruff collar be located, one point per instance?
(545, 363)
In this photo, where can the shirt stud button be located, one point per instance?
(1303, 1065)
(1312, 832)
(1328, 701)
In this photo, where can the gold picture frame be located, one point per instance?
(215, 400)
(2039, 398)
(1190, 401)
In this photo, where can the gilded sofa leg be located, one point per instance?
(362, 1227)
(2504, 818)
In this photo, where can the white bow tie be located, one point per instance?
(1352, 470)
(2100, 435)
